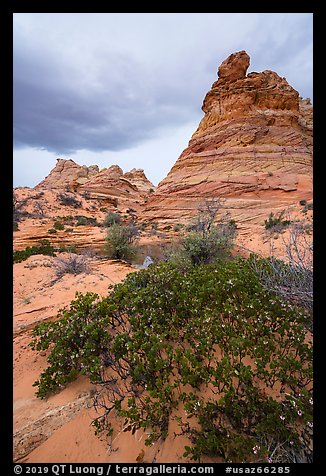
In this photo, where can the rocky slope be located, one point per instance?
(253, 149)
(138, 178)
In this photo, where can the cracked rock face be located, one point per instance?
(252, 148)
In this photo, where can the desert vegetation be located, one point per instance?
(121, 241)
(276, 223)
(112, 218)
(209, 239)
(201, 339)
(71, 264)
(19, 209)
(43, 247)
(207, 346)
(291, 278)
(203, 352)
(69, 199)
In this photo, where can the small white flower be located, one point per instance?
(255, 449)
(282, 417)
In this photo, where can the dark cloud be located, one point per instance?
(119, 105)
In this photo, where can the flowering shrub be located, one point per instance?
(207, 346)
(76, 341)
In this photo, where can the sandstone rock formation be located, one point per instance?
(137, 177)
(68, 174)
(109, 183)
(129, 189)
(253, 148)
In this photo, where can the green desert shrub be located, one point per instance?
(178, 227)
(82, 220)
(112, 218)
(208, 238)
(206, 345)
(120, 241)
(58, 225)
(276, 223)
(43, 247)
(69, 200)
(76, 341)
(204, 248)
(67, 249)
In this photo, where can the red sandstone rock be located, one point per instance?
(234, 67)
(253, 148)
(109, 183)
(137, 177)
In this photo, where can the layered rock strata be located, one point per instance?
(112, 182)
(252, 148)
(109, 182)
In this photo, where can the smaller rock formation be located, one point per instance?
(67, 174)
(137, 177)
(109, 181)
(234, 67)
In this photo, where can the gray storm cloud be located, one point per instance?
(103, 113)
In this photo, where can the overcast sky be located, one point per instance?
(127, 88)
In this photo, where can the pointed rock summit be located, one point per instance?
(252, 148)
(234, 67)
(137, 177)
